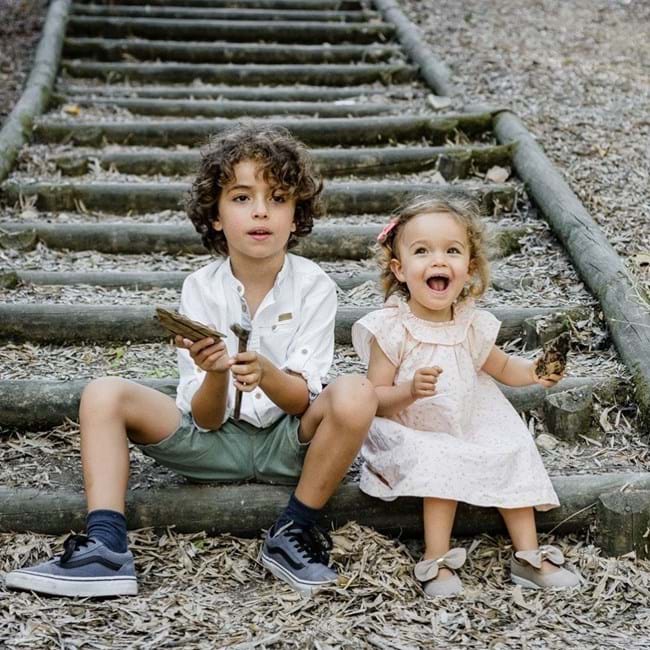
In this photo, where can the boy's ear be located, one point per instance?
(216, 224)
(396, 268)
(293, 226)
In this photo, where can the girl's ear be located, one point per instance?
(396, 268)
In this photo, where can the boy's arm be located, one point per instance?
(381, 373)
(286, 389)
(210, 400)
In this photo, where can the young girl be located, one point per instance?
(444, 430)
(255, 194)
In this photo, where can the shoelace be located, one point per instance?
(71, 545)
(313, 543)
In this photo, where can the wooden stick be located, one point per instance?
(242, 334)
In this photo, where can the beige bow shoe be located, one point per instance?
(426, 571)
(525, 567)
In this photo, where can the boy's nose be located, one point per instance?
(260, 210)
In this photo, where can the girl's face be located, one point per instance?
(256, 218)
(434, 262)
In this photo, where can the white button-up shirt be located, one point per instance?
(293, 328)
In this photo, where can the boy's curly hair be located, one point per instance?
(462, 207)
(284, 161)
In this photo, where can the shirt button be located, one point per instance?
(274, 327)
(304, 351)
(258, 395)
(240, 289)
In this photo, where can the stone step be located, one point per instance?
(246, 74)
(246, 509)
(224, 13)
(339, 197)
(223, 52)
(261, 93)
(36, 404)
(64, 323)
(238, 31)
(452, 161)
(332, 131)
(230, 109)
(326, 242)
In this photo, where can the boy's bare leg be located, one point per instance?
(110, 407)
(337, 423)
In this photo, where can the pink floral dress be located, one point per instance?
(466, 443)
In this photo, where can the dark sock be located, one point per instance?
(299, 513)
(108, 527)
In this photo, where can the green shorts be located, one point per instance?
(238, 451)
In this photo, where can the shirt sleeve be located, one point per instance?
(190, 375)
(311, 352)
(482, 336)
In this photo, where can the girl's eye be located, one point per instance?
(420, 250)
(454, 250)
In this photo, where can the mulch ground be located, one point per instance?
(20, 31)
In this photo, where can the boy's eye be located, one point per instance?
(279, 198)
(240, 198)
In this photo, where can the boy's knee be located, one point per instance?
(354, 401)
(105, 395)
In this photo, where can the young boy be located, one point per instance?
(256, 193)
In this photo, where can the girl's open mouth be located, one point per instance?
(438, 283)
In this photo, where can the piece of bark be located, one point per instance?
(554, 358)
(187, 328)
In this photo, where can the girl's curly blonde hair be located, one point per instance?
(284, 161)
(462, 207)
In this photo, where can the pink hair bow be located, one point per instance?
(381, 237)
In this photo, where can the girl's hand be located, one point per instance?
(206, 354)
(547, 381)
(248, 369)
(424, 382)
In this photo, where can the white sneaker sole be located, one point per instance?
(81, 587)
(305, 588)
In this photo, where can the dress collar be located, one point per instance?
(447, 333)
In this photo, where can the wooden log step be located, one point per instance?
(333, 5)
(240, 31)
(224, 13)
(324, 243)
(313, 132)
(61, 323)
(201, 52)
(212, 108)
(258, 94)
(140, 280)
(246, 509)
(35, 405)
(340, 198)
(248, 74)
(454, 161)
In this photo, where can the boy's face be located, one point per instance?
(256, 218)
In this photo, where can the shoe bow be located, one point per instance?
(428, 569)
(535, 558)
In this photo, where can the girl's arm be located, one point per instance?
(393, 399)
(515, 371)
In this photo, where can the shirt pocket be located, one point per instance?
(278, 338)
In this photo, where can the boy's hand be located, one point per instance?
(247, 369)
(424, 382)
(206, 354)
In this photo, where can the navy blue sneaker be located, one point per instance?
(299, 556)
(86, 568)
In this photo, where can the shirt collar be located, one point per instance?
(232, 281)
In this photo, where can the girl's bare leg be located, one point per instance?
(520, 523)
(110, 407)
(438, 522)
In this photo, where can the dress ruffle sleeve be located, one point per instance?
(482, 336)
(385, 326)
